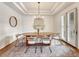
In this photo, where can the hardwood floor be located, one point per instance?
(58, 48)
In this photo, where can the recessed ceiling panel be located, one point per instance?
(46, 8)
(33, 6)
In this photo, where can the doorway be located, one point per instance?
(69, 27)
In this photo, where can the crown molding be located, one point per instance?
(25, 11)
(18, 7)
(55, 8)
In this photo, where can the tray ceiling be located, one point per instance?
(31, 8)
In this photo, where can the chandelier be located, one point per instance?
(38, 21)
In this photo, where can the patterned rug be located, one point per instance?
(55, 50)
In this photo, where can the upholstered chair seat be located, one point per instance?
(32, 40)
(46, 42)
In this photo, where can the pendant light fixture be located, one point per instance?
(38, 21)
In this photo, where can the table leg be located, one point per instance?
(35, 49)
(50, 50)
(26, 49)
(41, 49)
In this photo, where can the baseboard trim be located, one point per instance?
(70, 45)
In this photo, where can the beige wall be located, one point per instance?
(27, 24)
(7, 33)
(57, 22)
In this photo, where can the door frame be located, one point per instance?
(76, 24)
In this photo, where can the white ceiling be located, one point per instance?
(46, 8)
(33, 7)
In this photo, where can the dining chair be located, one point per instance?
(20, 40)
